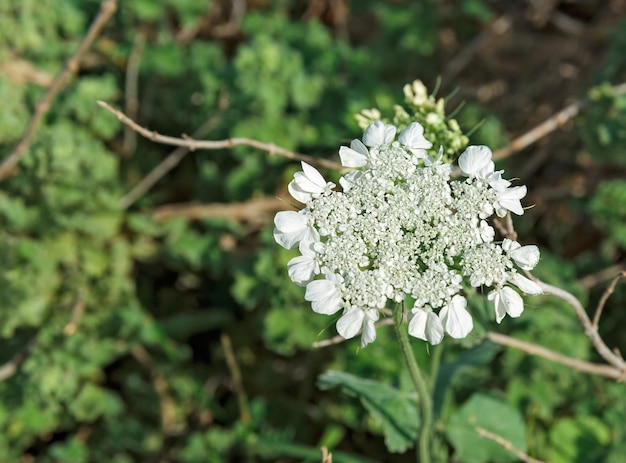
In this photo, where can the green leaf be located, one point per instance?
(395, 410)
(578, 439)
(472, 358)
(495, 416)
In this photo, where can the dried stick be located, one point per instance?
(10, 368)
(78, 309)
(166, 402)
(171, 161)
(194, 144)
(235, 373)
(482, 432)
(327, 457)
(534, 349)
(548, 126)
(131, 100)
(590, 281)
(255, 210)
(339, 339)
(605, 296)
(107, 8)
(591, 332)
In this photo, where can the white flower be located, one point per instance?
(487, 233)
(456, 320)
(355, 156)
(425, 325)
(526, 257)
(506, 301)
(355, 320)
(509, 199)
(292, 228)
(496, 181)
(348, 180)
(301, 269)
(308, 184)
(413, 138)
(526, 285)
(476, 161)
(379, 133)
(324, 295)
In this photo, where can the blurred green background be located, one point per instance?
(165, 329)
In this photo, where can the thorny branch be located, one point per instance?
(107, 8)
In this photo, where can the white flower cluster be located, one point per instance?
(402, 227)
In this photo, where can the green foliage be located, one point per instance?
(493, 415)
(112, 321)
(608, 209)
(393, 409)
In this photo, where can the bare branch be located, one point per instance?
(254, 211)
(10, 368)
(605, 296)
(193, 144)
(482, 432)
(327, 457)
(591, 332)
(339, 339)
(534, 349)
(107, 8)
(78, 309)
(131, 99)
(548, 126)
(592, 280)
(169, 162)
(235, 373)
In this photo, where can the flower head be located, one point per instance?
(401, 229)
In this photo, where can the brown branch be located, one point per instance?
(171, 161)
(78, 309)
(107, 8)
(339, 339)
(10, 368)
(591, 332)
(482, 432)
(605, 296)
(548, 126)
(131, 100)
(169, 427)
(534, 349)
(254, 211)
(235, 373)
(592, 280)
(327, 457)
(193, 144)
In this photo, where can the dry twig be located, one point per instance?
(605, 296)
(171, 161)
(327, 457)
(507, 445)
(78, 309)
(548, 126)
(594, 279)
(107, 8)
(253, 211)
(193, 144)
(534, 349)
(169, 425)
(235, 373)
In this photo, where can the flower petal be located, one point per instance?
(413, 137)
(456, 319)
(474, 159)
(426, 325)
(378, 133)
(526, 285)
(324, 296)
(526, 257)
(350, 323)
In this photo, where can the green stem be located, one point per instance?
(421, 386)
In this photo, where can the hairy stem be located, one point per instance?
(421, 386)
